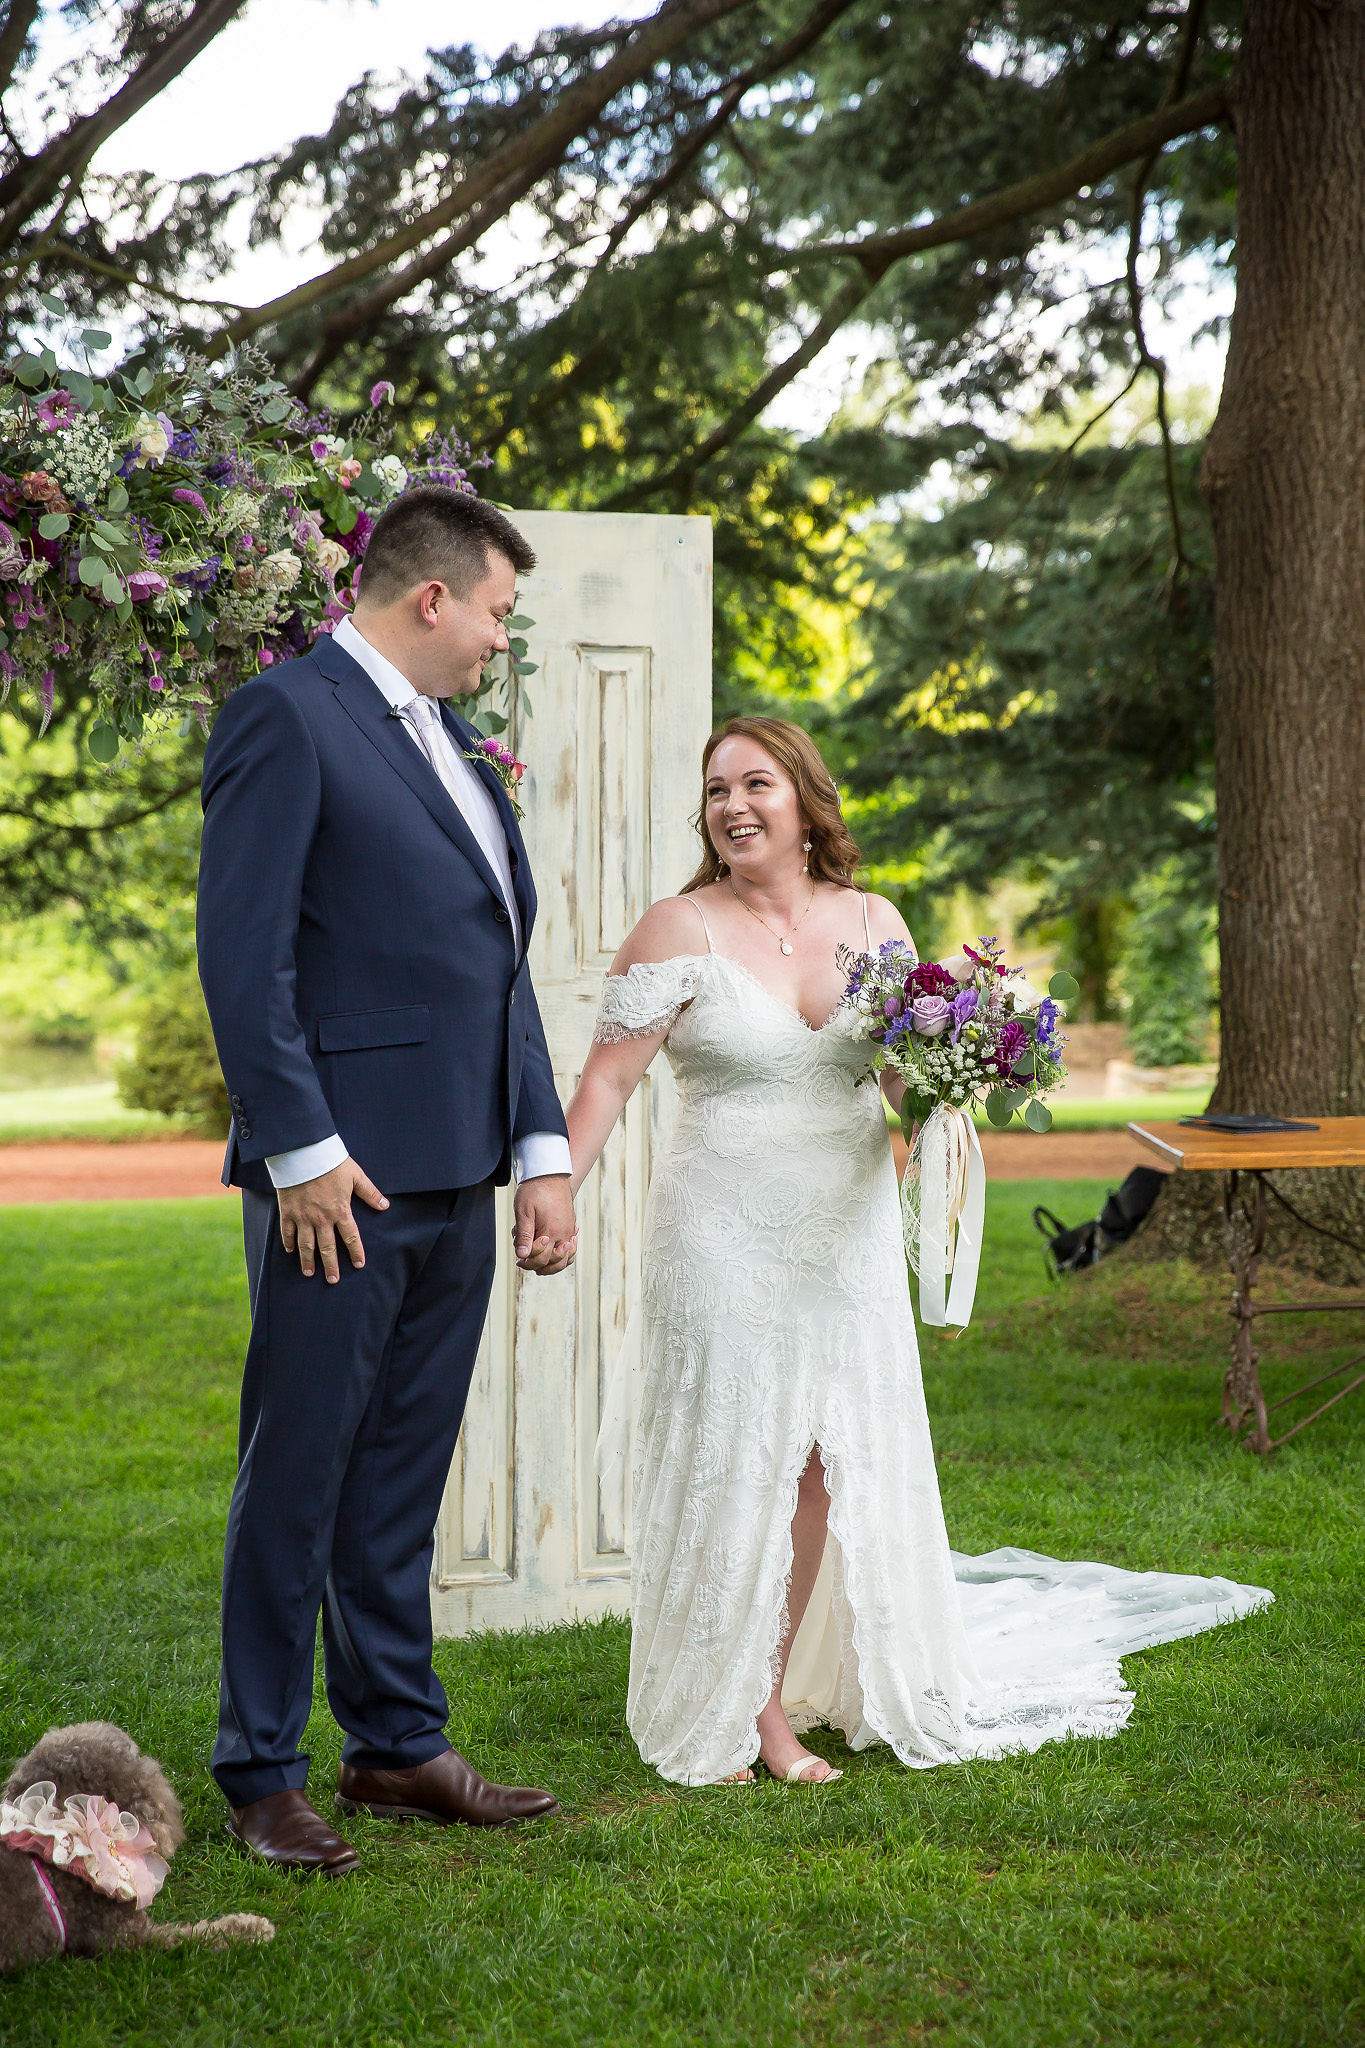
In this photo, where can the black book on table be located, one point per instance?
(1248, 1126)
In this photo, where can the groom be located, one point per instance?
(365, 906)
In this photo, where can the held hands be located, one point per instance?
(545, 1236)
(316, 1213)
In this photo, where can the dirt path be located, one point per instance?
(132, 1172)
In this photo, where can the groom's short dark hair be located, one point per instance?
(436, 534)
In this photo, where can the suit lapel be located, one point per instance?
(363, 701)
(467, 738)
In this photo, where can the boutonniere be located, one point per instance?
(505, 765)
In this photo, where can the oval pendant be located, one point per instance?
(785, 944)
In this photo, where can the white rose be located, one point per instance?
(280, 571)
(391, 474)
(330, 556)
(151, 440)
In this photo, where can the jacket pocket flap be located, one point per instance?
(366, 1030)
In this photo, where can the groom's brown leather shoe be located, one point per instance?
(445, 1789)
(284, 1828)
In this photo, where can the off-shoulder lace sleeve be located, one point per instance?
(645, 999)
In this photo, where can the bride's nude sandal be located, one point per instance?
(797, 1774)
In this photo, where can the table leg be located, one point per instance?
(1243, 1400)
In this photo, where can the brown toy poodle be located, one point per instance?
(87, 1827)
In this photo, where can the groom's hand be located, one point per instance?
(545, 1237)
(316, 1213)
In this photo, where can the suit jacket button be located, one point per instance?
(237, 1102)
(245, 1130)
(500, 914)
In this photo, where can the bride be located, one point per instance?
(791, 1563)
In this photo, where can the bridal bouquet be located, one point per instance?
(965, 1030)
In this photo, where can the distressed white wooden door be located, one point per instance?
(622, 705)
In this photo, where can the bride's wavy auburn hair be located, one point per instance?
(833, 854)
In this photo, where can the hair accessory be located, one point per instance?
(91, 1837)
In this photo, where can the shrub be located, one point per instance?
(174, 1068)
(1166, 974)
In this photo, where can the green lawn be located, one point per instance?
(1196, 1881)
(81, 1109)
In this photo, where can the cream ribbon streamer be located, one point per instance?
(943, 1204)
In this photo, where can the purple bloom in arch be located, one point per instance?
(358, 539)
(185, 496)
(204, 577)
(381, 392)
(57, 409)
(963, 1007)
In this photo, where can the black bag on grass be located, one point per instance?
(1087, 1243)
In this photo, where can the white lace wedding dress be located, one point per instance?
(776, 1316)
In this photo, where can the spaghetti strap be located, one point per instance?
(867, 929)
(710, 942)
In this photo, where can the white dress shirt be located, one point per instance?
(543, 1151)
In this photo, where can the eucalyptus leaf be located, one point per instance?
(28, 370)
(495, 721)
(112, 585)
(517, 620)
(347, 516)
(517, 645)
(107, 530)
(103, 742)
(79, 610)
(95, 337)
(1038, 1116)
(999, 1108)
(143, 382)
(526, 710)
(118, 498)
(278, 409)
(52, 524)
(123, 610)
(527, 668)
(81, 387)
(48, 361)
(1016, 1098)
(1064, 988)
(53, 303)
(91, 569)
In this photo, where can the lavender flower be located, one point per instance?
(204, 577)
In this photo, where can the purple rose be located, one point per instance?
(931, 1015)
(963, 1006)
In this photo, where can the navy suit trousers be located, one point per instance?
(351, 1405)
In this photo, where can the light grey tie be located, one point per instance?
(423, 719)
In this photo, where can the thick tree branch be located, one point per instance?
(844, 303)
(31, 184)
(14, 35)
(536, 150)
(356, 317)
(876, 253)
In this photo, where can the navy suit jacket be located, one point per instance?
(355, 949)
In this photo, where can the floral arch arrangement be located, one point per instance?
(165, 534)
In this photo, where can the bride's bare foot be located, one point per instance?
(739, 1778)
(779, 1751)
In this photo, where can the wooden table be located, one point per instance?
(1244, 1160)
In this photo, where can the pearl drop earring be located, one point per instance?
(805, 865)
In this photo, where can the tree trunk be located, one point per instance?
(1284, 477)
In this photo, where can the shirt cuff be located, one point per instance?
(306, 1162)
(542, 1152)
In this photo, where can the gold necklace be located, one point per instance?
(784, 944)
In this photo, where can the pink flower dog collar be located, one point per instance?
(91, 1837)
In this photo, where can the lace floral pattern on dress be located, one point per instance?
(646, 999)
